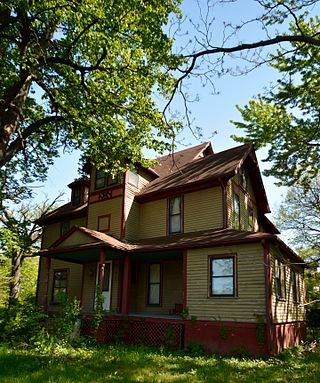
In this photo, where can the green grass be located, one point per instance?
(137, 364)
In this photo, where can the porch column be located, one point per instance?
(47, 279)
(102, 267)
(126, 282)
(184, 279)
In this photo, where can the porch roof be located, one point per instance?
(168, 244)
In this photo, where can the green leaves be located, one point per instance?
(287, 117)
(95, 66)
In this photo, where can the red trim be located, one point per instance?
(46, 294)
(125, 307)
(268, 287)
(124, 200)
(184, 279)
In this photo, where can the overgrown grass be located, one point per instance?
(139, 364)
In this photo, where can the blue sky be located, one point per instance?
(212, 112)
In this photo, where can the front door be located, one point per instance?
(106, 290)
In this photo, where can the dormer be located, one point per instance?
(79, 191)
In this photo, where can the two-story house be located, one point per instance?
(182, 252)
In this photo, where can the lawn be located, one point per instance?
(137, 364)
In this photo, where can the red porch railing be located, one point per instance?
(139, 330)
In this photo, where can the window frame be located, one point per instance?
(243, 180)
(64, 227)
(108, 179)
(154, 283)
(212, 258)
(295, 286)
(280, 280)
(237, 221)
(180, 214)
(54, 280)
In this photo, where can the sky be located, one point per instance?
(212, 112)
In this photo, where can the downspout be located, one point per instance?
(268, 285)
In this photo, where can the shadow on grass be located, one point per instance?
(135, 364)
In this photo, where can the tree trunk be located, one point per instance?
(15, 280)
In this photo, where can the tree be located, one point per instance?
(81, 74)
(300, 213)
(20, 239)
(287, 117)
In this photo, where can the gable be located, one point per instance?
(74, 239)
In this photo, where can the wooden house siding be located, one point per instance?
(112, 207)
(74, 281)
(203, 210)
(286, 310)
(250, 280)
(132, 220)
(52, 231)
(171, 289)
(153, 219)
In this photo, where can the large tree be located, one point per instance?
(300, 213)
(81, 73)
(287, 37)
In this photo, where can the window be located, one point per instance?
(133, 177)
(175, 215)
(76, 198)
(295, 286)
(104, 223)
(103, 180)
(243, 179)
(250, 218)
(280, 279)
(60, 285)
(64, 227)
(222, 276)
(236, 207)
(154, 285)
(100, 179)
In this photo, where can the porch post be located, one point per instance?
(46, 294)
(102, 267)
(126, 282)
(184, 279)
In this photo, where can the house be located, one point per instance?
(182, 254)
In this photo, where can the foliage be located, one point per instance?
(286, 118)
(300, 213)
(81, 74)
(137, 364)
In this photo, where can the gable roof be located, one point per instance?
(66, 210)
(172, 162)
(212, 168)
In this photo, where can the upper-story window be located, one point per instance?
(76, 198)
(243, 179)
(103, 180)
(175, 215)
(250, 218)
(133, 177)
(236, 208)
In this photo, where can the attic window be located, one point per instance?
(133, 177)
(100, 179)
(236, 208)
(243, 179)
(76, 198)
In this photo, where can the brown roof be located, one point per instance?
(206, 238)
(172, 162)
(212, 167)
(66, 210)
